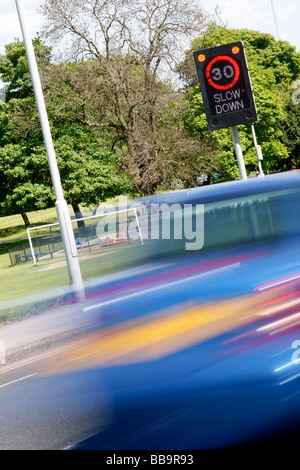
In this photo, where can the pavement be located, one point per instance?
(30, 335)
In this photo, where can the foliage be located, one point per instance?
(290, 127)
(23, 182)
(118, 125)
(90, 172)
(124, 54)
(14, 69)
(88, 169)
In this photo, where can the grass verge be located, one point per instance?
(30, 289)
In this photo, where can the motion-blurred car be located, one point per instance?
(197, 349)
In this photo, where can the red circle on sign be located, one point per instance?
(236, 74)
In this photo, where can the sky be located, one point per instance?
(251, 14)
(258, 15)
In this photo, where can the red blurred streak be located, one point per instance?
(186, 271)
(295, 279)
(279, 299)
(236, 338)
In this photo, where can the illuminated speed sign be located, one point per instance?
(225, 85)
(222, 72)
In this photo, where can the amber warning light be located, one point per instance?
(225, 85)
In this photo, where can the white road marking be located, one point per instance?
(18, 380)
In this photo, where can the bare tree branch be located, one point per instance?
(128, 44)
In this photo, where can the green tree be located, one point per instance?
(14, 69)
(290, 127)
(25, 183)
(22, 188)
(88, 168)
(124, 49)
(90, 172)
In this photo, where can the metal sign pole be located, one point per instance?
(61, 205)
(275, 20)
(239, 152)
(258, 152)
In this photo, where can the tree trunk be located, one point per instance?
(25, 219)
(78, 215)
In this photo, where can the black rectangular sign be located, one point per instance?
(225, 85)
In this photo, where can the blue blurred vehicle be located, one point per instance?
(198, 349)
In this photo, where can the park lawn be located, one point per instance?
(22, 285)
(13, 232)
(25, 280)
(21, 282)
(12, 227)
(111, 260)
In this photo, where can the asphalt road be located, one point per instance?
(179, 391)
(40, 412)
